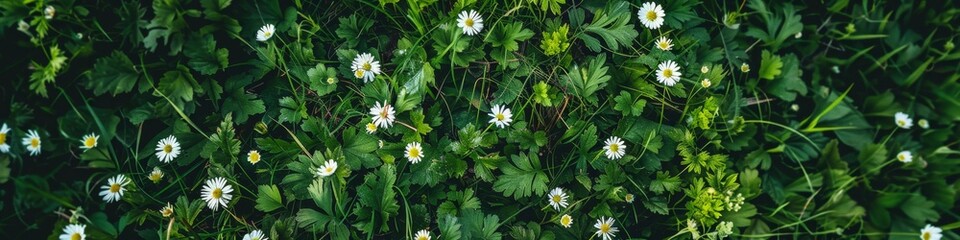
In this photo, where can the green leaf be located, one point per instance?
(585, 81)
(322, 80)
(508, 36)
(920, 209)
(377, 200)
(523, 178)
(178, 85)
(788, 85)
(114, 74)
(312, 220)
(665, 182)
(770, 65)
(204, 55)
(291, 111)
(627, 105)
(779, 27)
(351, 28)
(477, 225)
(268, 198)
(612, 24)
(223, 147)
(450, 228)
(239, 102)
(358, 148)
(749, 183)
(657, 205)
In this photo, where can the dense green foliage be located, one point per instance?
(789, 119)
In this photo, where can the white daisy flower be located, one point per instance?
(471, 22)
(745, 67)
(168, 149)
(614, 148)
(89, 141)
(704, 69)
(501, 116)
(605, 228)
(266, 32)
(156, 175)
(628, 198)
(49, 12)
(32, 142)
(216, 193)
(923, 123)
(557, 198)
(665, 44)
(903, 120)
(253, 157)
(706, 83)
(167, 211)
(365, 67)
(371, 128)
(74, 232)
(4, 131)
(114, 188)
(927, 233)
(414, 152)
(382, 115)
(668, 73)
(566, 221)
(422, 235)
(255, 235)
(905, 156)
(328, 168)
(651, 15)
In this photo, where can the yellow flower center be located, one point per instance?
(663, 45)
(366, 66)
(384, 112)
(414, 152)
(614, 147)
(35, 142)
(500, 117)
(267, 33)
(556, 198)
(651, 15)
(3, 138)
(216, 193)
(901, 157)
(156, 176)
(604, 228)
(468, 22)
(167, 148)
(566, 220)
(90, 142)
(167, 212)
(115, 188)
(358, 73)
(75, 236)
(926, 236)
(371, 127)
(667, 73)
(254, 157)
(422, 238)
(901, 122)
(328, 169)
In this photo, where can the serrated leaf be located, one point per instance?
(204, 55)
(114, 74)
(770, 65)
(585, 81)
(523, 178)
(377, 200)
(665, 182)
(612, 25)
(268, 198)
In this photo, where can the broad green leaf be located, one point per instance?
(114, 74)
(377, 201)
(268, 198)
(770, 65)
(204, 55)
(612, 24)
(523, 178)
